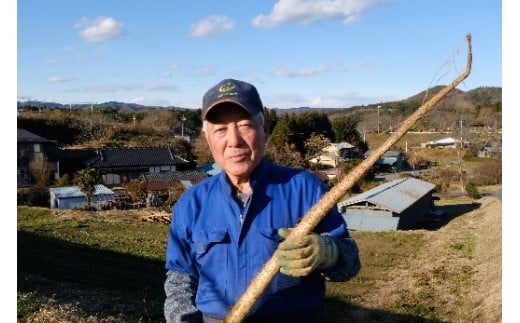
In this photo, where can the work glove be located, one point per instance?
(300, 256)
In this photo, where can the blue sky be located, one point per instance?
(298, 53)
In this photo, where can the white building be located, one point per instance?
(332, 154)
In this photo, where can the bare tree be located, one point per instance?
(201, 151)
(416, 161)
(136, 190)
(40, 170)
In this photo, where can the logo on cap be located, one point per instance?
(225, 90)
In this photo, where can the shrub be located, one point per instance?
(34, 196)
(65, 180)
(172, 199)
(136, 190)
(486, 173)
(472, 191)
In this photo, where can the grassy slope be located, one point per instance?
(108, 267)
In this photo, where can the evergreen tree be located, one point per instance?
(85, 179)
(345, 129)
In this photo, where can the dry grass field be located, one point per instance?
(447, 273)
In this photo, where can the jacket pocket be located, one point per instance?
(212, 256)
(205, 239)
(271, 234)
(266, 247)
(280, 281)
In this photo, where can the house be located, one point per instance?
(490, 151)
(391, 161)
(123, 164)
(159, 186)
(396, 205)
(72, 160)
(333, 154)
(30, 145)
(71, 197)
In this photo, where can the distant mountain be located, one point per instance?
(305, 109)
(478, 107)
(457, 98)
(478, 96)
(119, 106)
(40, 104)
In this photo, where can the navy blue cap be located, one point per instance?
(233, 91)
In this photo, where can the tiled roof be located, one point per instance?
(137, 156)
(27, 136)
(172, 180)
(164, 186)
(190, 175)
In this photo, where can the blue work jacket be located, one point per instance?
(224, 246)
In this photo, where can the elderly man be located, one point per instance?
(225, 228)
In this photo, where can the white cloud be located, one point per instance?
(345, 100)
(99, 29)
(168, 73)
(130, 87)
(361, 65)
(159, 87)
(284, 100)
(285, 71)
(60, 79)
(205, 71)
(211, 26)
(106, 88)
(309, 11)
(23, 98)
(98, 51)
(294, 100)
(150, 101)
(51, 61)
(332, 102)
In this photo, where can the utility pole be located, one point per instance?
(460, 157)
(183, 118)
(91, 121)
(378, 123)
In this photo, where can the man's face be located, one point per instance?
(236, 140)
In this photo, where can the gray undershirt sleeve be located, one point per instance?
(179, 306)
(348, 264)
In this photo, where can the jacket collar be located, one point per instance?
(258, 175)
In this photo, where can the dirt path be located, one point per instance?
(459, 270)
(486, 297)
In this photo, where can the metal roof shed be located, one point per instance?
(397, 205)
(71, 197)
